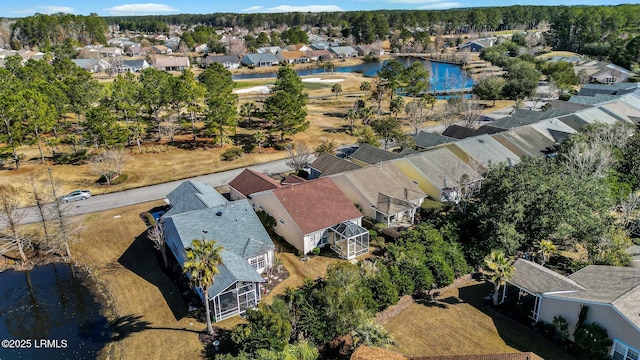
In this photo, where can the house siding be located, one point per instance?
(235, 194)
(289, 230)
(604, 315)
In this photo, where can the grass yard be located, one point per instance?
(458, 324)
(150, 314)
(558, 53)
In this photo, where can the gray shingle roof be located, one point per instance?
(426, 139)
(459, 132)
(526, 141)
(328, 165)
(486, 150)
(373, 155)
(442, 166)
(554, 129)
(537, 279)
(235, 227)
(193, 195)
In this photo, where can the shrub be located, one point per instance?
(249, 147)
(232, 154)
(316, 251)
(120, 179)
(373, 234)
(592, 340)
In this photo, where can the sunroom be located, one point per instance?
(349, 240)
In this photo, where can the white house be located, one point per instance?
(314, 214)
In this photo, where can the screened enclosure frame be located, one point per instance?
(349, 240)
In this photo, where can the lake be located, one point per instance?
(51, 312)
(443, 75)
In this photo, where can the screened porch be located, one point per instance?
(349, 240)
(235, 299)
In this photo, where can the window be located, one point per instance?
(624, 352)
(257, 262)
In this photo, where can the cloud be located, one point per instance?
(140, 9)
(252, 9)
(441, 5)
(428, 4)
(44, 9)
(291, 8)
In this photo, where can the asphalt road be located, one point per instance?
(148, 193)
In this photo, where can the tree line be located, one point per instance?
(58, 103)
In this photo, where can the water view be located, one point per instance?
(443, 76)
(50, 312)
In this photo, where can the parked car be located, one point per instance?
(76, 195)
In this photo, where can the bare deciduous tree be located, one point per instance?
(590, 157)
(629, 210)
(299, 155)
(109, 163)
(156, 234)
(169, 127)
(416, 114)
(11, 216)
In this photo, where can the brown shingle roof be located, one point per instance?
(515, 356)
(250, 182)
(291, 55)
(316, 205)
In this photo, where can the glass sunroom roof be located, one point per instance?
(348, 229)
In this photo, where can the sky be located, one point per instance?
(25, 8)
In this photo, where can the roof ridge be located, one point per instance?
(626, 293)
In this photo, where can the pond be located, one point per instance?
(443, 75)
(50, 312)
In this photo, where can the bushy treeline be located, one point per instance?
(50, 31)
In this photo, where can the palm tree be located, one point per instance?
(546, 248)
(260, 138)
(366, 87)
(351, 116)
(247, 109)
(336, 89)
(201, 266)
(500, 271)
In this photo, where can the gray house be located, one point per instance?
(343, 52)
(200, 212)
(612, 294)
(259, 60)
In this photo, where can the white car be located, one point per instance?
(76, 195)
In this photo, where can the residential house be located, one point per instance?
(527, 141)
(425, 140)
(160, 50)
(133, 65)
(200, 212)
(172, 63)
(314, 214)
(366, 155)
(579, 119)
(374, 50)
(319, 55)
(477, 45)
(554, 129)
(612, 294)
(135, 51)
(202, 48)
(483, 149)
(249, 182)
(31, 55)
(382, 192)
(327, 164)
(269, 50)
(228, 61)
(173, 43)
(298, 47)
(92, 65)
(343, 52)
(110, 52)
(259, 60)
(440, 173)
(293, 57)
(610, 74)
